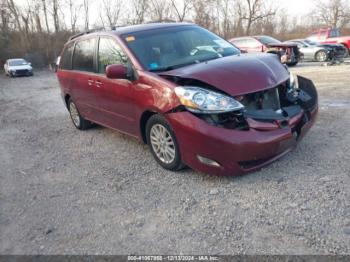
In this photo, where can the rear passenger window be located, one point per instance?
(251, 42)
(109, 53)
(83, 58)
(66, 59)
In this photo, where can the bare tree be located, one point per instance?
(86, 12)
(74, 13)
(15, 12)
(140, 8)
(202, 13)
(160, 10)
(181, 8)
(335, 13)
(225, 18)
(36, 15)
(55, 15)
(46, 16)
(5, 16)
(111, 12)
(252, 11)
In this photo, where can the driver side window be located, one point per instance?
(110, 53)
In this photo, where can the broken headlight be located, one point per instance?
(201, 100)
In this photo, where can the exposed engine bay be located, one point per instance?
(279, 107)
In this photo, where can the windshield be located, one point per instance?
(266, 40)
(166, 49)
(310, 42)
(18, 62)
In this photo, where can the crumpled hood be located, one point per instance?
(237, 75)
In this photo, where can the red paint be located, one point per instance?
(253, 44)
(121, 103)
(116, 72)
(325, 36)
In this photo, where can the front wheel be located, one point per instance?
(163, 144)
(78, 121)
(321, 56)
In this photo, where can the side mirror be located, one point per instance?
(116, 72)
(30, 64)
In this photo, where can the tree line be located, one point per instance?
(38, 29)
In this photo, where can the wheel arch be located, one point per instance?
(143, 121)
(66, 99)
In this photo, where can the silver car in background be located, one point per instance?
(314, 51)
(311, 52)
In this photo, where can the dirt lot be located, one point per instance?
(99, 192)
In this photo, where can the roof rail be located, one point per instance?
(85, 33)
(161, 21)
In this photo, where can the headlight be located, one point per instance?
(200, 100)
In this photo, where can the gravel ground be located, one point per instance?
(64, 191)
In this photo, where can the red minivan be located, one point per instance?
(187, 93)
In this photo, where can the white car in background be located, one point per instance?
(18, 67)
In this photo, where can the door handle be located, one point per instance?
(98, 83)
(90, 82)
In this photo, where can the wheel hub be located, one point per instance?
(162, 143)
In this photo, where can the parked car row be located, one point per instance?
(321, 46)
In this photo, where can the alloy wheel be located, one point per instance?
(74, 114)
(321, 56)
(162, 143)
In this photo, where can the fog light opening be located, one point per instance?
(208, 161)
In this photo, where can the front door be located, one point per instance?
(113, 97)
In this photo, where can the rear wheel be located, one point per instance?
(78, 121)
(163, 144)
(321, 56)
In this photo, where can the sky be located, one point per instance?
(297, 8)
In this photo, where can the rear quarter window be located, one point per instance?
(83, 58)
(66, 58)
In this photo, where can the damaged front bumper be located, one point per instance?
(240, 150)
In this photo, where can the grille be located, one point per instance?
(21, 72)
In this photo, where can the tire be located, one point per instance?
(163, 144)
(347, 52)
(78, 121)
(321, 56)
